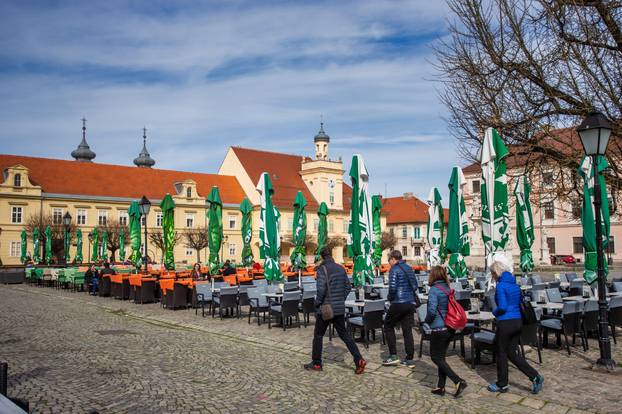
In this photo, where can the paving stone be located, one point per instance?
(532, 403)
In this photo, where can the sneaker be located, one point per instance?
(537, 384)
(360, 366)
(391, 360)
(312, 366)
(495, 388)
(461, 386)
(408, 363)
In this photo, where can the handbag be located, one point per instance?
(527, 313)
(326, 309)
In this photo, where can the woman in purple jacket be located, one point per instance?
(509, 325)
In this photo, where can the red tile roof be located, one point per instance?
(284, 172)
(106, 180)
(406, 209)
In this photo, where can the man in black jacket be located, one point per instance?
(333, 287)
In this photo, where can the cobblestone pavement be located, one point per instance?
(70, 352)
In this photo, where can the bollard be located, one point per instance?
(4, 368)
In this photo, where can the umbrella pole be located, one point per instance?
(299, 278)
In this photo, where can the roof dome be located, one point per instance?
(321, 135)
(144, 160)
(83, 153)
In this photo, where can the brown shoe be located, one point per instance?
(360, 366)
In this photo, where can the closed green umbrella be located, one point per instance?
(134, 214)
(214, 228)
(104, 246)
(435, 228)
(247, 232)
(298, 256)
(524, 223)
(168, 230)
(48, 245)
(269, 240)
(79, 257)
(588, 220)
(67, 245)
(24, 247)
(322, 230)
(376, 207)
(457, 241)
(95, 242)
(122, 245)
(36, 246)
(494, 190)
(360, 230)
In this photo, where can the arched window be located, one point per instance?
(189, 192)
(17, 180)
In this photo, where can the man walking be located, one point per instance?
(403, 297)
(333, 287)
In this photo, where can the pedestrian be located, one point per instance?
(509, 325)
(333, 287)
(403, 297)
(91, 277)
(196, 271)
(441, 336)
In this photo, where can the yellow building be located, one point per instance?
(94, 194)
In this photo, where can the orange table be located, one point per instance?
(137, 280)
(170, 284)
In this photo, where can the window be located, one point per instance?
(577, 245)
(332, 197)
(316, 224)
(16, 214)
(15, 249)
(290, 224)
(57, 216)
(346, 223)
(17, 180)
(417, 251)
(547, 178)
(233, 222)
(611, 247)
(392, 231)
(143, 220)
(404, 232)
(476, 187)
(102, 217)
(123, 218)
(189, 221)
(189, 192)
(404, 251)
(189, 251)
(549, 210)
(331, 226)
(576, 209)
(550, 242)
(231, 249)
(416, 234)
(81, 217)
(159, 219)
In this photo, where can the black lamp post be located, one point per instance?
(90, 237)
(594, 132)
(222, 250)
(67, 223)
(144, 205)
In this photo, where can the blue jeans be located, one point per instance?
(94, 287)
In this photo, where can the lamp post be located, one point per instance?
(66, 244)
(90, 237)
(594, 132)
(144, 205)
(222, 248)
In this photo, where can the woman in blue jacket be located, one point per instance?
(509, 325)
(440, 336)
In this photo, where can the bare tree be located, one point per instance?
(310, 242)
(335, 241)
(41, 222)
(113, 228)
(197, 239)
(387, 241)
(157, 239)
(527, 67)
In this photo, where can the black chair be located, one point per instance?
(308, 305)
(291, 286)
(285, 310)
(463, 297)
(615, 315)
(257, 303)
(483, 339)
(554, 295)
(576, 287)
(243, 296)
(372, 319)
(203, 293)
(589, 320)
(227, 299)
(104, 286)
(529, 334)
(145, 293)
(568, 324)
(177, 297)
(616, 286)
(535, 279)
(424, 332)
(571, 276)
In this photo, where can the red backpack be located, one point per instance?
(456, 317)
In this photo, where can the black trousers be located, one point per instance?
(506, 341)
(439, 342)
(340, 326)
(400, 313)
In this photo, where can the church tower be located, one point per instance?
(321, 144)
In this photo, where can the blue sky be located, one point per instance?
(202, 76)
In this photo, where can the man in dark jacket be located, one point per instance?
(333, 287)
(402, 295)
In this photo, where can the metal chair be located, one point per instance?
(260, 282)
(615, 315)
(290, 286)
(571, 276)
(424, 332)
(554, 295)
(287, 309)
(568, 324)
(576, 287)
(535, 279)
(589, 320)
(203, 292)
(226, 299)
(308, 304)
(257, 303)
(617, 286)
(372, 319)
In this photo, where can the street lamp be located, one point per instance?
(66, 238)
(144, 205)
(222, 250)
(90, 237)
(595, 131)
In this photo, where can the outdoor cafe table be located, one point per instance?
(548, 306)
(479, 317)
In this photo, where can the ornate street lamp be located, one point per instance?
(66, 244)
(595, 131)
(144, 205)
